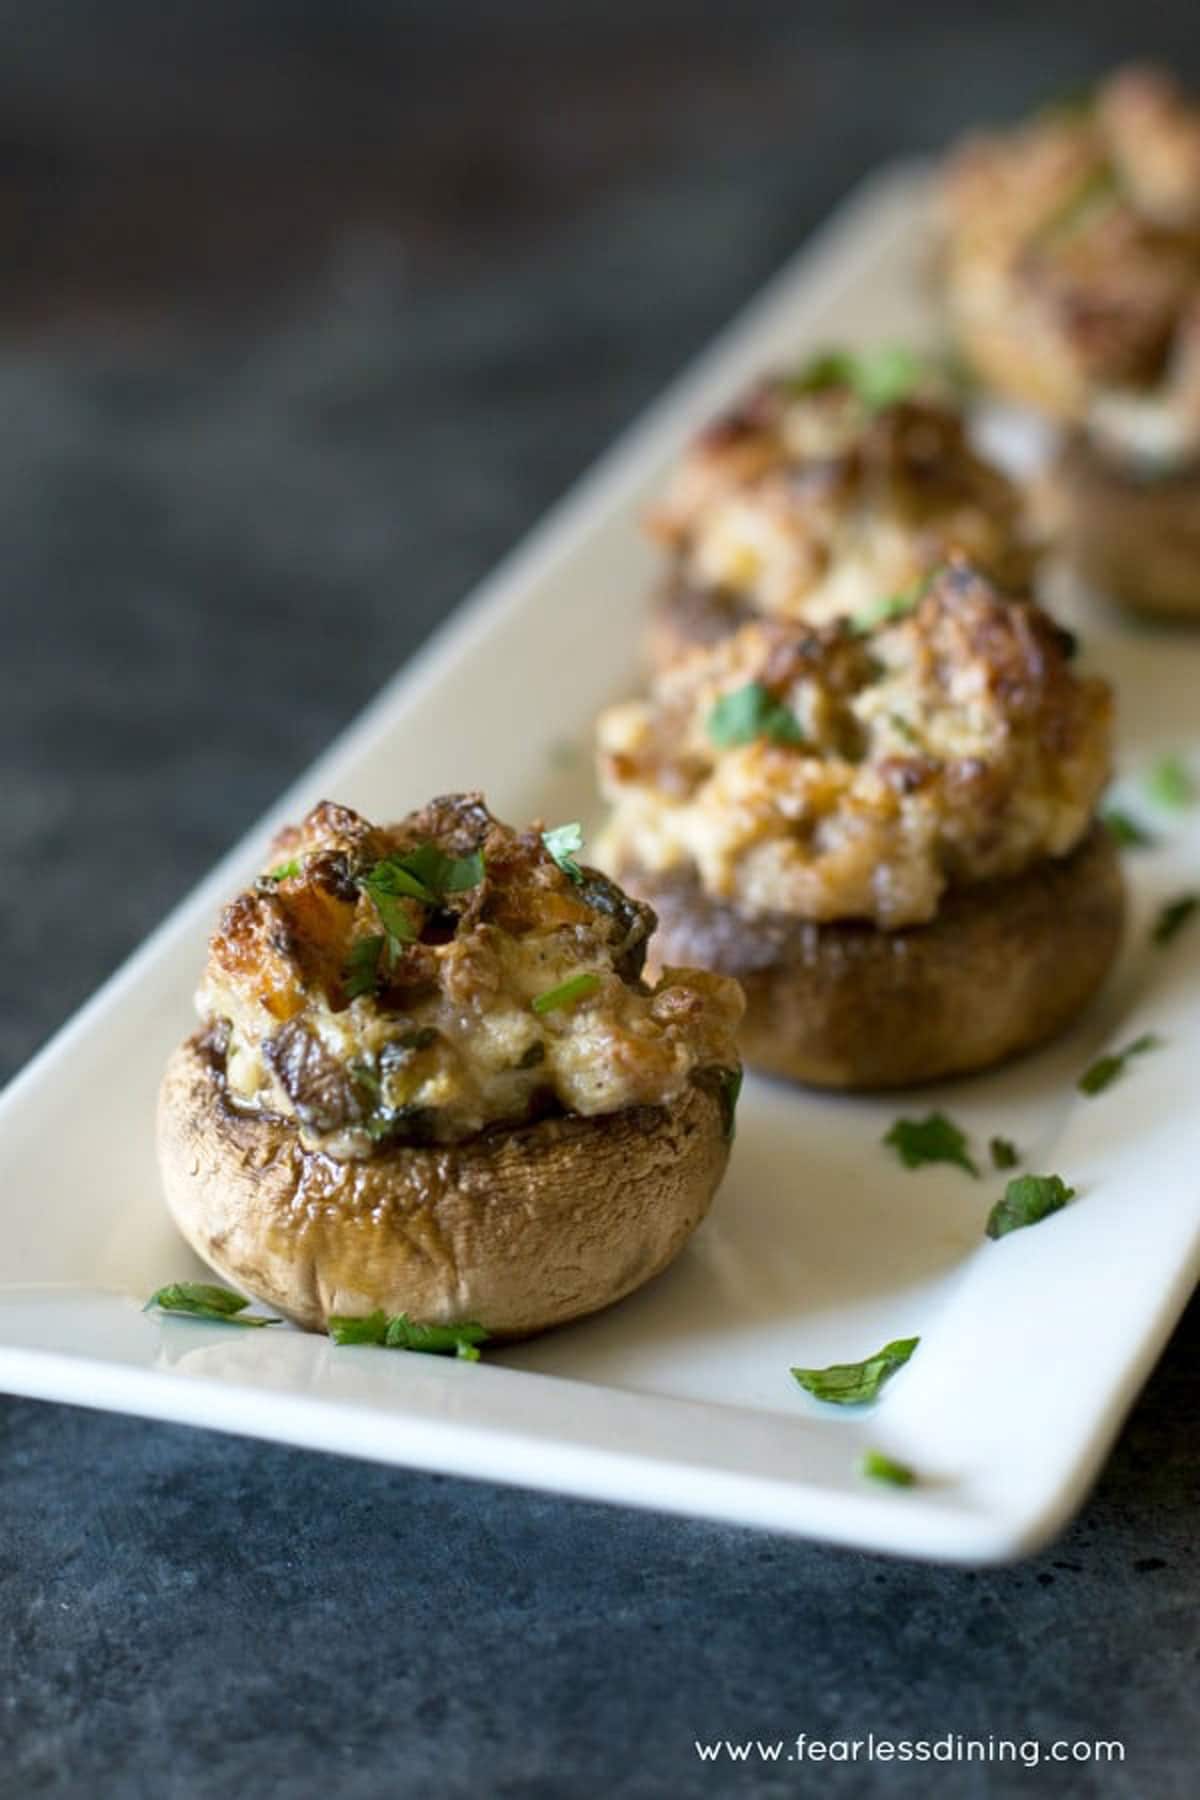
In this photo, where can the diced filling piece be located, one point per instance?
(420, 982)
(828, 774)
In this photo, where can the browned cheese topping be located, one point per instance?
(1078, 234)
(831, 775)
(422, 981)
(807, 501)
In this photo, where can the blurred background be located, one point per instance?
(308, 310)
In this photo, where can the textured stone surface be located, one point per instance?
(218, 538)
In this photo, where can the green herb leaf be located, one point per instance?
(400, 1333)
(437, 874)
(1174, 916)
(883, 611)
(367, 1077)
(879, 377)
(285, 871)
(388, 885)
(425, 874)
(1003, 1153)
(1027, 1200)
(1126, 830)
(564, 844)
(1105, 1070)
(878, 1467)
(752, 712)
(567, 993)
(1170, 785)
(886, 375)
(361, 971)
(852, 1384)
(204, 1300)
(935, 1139)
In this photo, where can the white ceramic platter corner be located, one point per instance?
(819, 1248)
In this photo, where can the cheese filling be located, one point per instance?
(828, 775)
(371, 1017)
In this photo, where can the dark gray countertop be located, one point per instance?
(274, 391)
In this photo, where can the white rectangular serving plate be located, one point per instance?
(820, 1246)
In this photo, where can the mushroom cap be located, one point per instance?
(516, 1229)
(1138, 541)
(1004, 966)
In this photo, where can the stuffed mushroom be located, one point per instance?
(888, 837)
(430, 1079)
(824, 494)
(1071, 254)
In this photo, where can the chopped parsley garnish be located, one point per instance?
(886, 608)
(361, 971)
(879, 377)
(1169, 784)
(1003, 1153)
(204, 1300)
(367, 1077)
(400, 1333)
(878, 1467)
(1126, 830)
(1096, 192)
(1027, 1200)
(1106, 1069)
(564, 844)
(752, 712)
(1173, 917)
(388, 886)
(935, 1139)
(567, 993)
(285, 871)
(425, 873)
(852, 1384)
(437, 874)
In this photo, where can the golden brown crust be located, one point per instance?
(391, 983)
(1003, 967)
(517, 1230)
(1071, 245)
(832, 775)
(1136, 540)
(804, 501)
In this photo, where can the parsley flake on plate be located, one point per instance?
(935, 1139)
(752, 712)
(1170, 785)
(853, 1384)
(204, 1300)
(1003, 1152)
(401, 1333)
(878, 1467)
(1126, 830)
(1106, 1069)
(1028, 1199)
